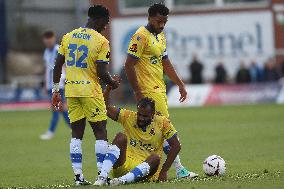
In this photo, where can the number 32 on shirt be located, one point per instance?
(73, 60)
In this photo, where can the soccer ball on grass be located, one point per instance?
(214, 165)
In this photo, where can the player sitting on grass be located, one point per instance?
(141, 144)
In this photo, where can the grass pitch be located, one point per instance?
(249, 138)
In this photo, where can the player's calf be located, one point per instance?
(120, 141)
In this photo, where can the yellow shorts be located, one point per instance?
(130, 163)
(161, 102)
(94, 109)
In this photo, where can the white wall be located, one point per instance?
(227, 37)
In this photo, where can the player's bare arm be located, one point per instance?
(104, 75)
(112, 111)
(171, 72)
(57, 104)
(131, 75)
(174, 150)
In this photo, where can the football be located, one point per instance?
(214, 165)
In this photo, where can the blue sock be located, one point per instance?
(166, 147)
(54, 121)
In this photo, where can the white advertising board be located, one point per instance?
(226, 37)
(197, 95)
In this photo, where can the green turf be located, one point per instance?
(249, 138)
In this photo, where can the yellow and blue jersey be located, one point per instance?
(150, 50)
(83, 48)
(142, 143)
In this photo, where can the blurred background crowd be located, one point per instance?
(205, 45)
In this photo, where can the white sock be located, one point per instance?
(111, 157)
(177, 163)
(138, 172)
(101, 147)
(76, 155)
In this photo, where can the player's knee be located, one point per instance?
(120, 139)
(155, 159)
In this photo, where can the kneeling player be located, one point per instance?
(141, 145)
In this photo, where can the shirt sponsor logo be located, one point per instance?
(77, 82)
(142, 146)
(133, 48)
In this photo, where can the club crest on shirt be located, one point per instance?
(154, 60)
(133, 48)
(138, 38)
(152, 132)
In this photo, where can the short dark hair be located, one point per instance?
(98, 11)
(144, 102)
(158, 8)
(48, 34)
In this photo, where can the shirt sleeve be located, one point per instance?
(104, 53)
(61, 49)
(168, 129)
(165, 53)
(136, 46)
(123, 116)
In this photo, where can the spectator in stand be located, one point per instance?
(270, 71)
(243, 75)
(256, 72)
(282, 68)
(196, 69)
(220, 73)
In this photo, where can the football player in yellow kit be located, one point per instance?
(86, 55)
(145, 65)
(141, 144)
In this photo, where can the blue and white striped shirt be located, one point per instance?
(49, 57)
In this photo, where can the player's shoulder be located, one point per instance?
(163, 37)
(164, 121)
(67, 35)
(163, 34)
(140, 34)
(98, 37)
(127, 113)
(104, 39)
(158, 117)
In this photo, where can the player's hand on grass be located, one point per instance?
(57, 104)
(183, 93)
(163, 176)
